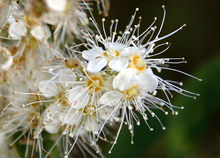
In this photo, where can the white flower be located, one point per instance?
(67, 17)
(113, 57)
(147, 80)
(67, 77)
(78, 97)
(57, 5)
(96, 65)
(48, 88)
(69, 116)
(51, 119)
(125, 79)
(17, 30)
(41, 32)
(111, 98)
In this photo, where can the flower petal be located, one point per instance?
(104, 113)
(67, 78)
(17, 30)
(78, 97)
(51, 128)
(48, 88)
(96, 65)
(57, 5)
(92, 125)
(41, 32)
(69, 116)
(118, 64)
(148, 80)
(93, 53)
(125, 79)
(51, 120)
(111, 98)
(115, 46)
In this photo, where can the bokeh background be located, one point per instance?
(195, 132)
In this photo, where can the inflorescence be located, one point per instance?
(78, 93)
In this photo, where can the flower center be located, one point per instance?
(138, 63)
(131, 92)
(94, 83)
(111, 54)
(62, 98)
(72, 63)
(89, 110)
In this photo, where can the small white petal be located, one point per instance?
(78, 97)
(51, 18)
(125, 79)
(69, 116)
(111, 98)
(93, 53)
(17, 30)
(96, 65)
(67, 77)
(48, 88)
(128, 51)
(40, 32)
(8, 63)
(51, 128)
(115, 46)
(51, 119)
(118, 64)
(148, 80)
(57, 5)
(134, 50)
(91, 125)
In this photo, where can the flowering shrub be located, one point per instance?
(79, 92)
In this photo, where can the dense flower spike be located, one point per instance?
(78, 93)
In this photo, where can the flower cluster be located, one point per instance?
(79, 92)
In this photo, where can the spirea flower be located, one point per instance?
(132, 62)
(79, 93)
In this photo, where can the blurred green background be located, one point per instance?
(195, 132)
